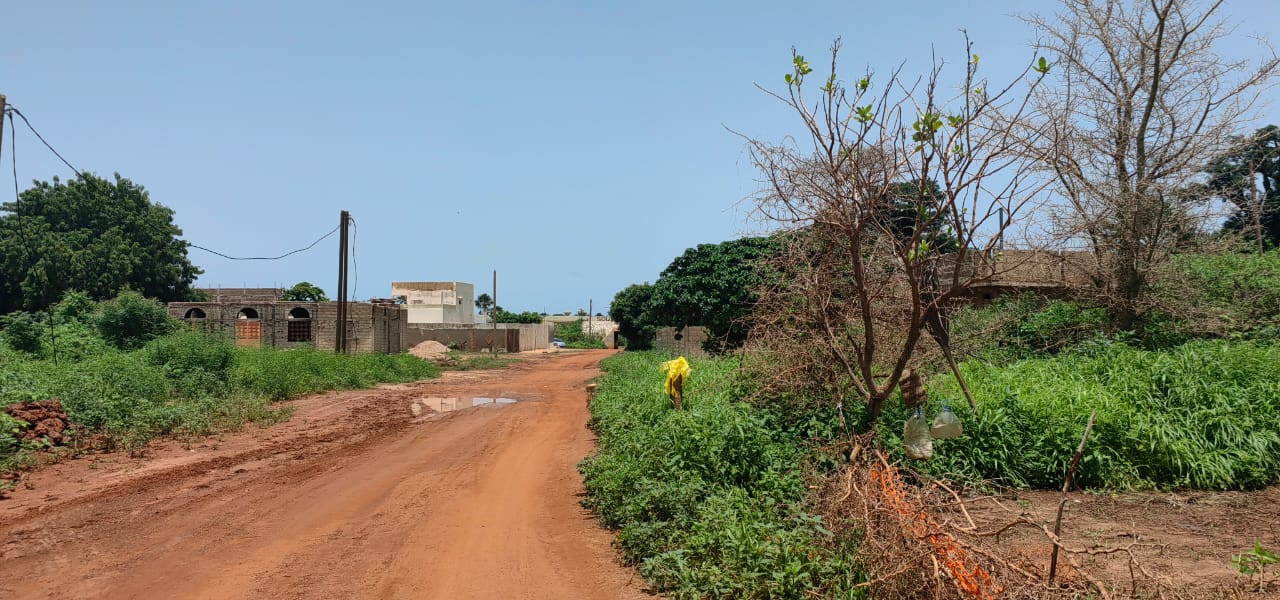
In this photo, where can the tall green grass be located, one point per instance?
(184, 383)
(1205, 415)
(709, 501)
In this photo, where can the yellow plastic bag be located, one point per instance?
(916, 438)
(677, 370)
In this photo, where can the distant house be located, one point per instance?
(436, 302)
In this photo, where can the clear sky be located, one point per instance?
(575, 147)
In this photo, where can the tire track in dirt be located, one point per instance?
(351, 498)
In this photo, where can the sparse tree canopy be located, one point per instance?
(91, 234)
(1142, 101)
(304, 291)
(858, 280)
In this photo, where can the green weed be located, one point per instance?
(709, 501)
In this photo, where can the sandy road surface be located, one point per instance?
(352, 498)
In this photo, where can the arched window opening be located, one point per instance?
(248, 313)
(299, 325)
(194, 313)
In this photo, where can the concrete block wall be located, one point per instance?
(370, 328)
(689, 342)
(470, 339)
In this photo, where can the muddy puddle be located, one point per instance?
(426, 406)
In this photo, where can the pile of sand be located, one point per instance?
(429, 350)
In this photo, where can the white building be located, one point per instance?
(430, 302)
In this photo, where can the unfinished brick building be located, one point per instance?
(257, 317)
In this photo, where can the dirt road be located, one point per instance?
(355, 497)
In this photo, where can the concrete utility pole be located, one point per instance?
(494, 311)
(340, 339)
(591, 311)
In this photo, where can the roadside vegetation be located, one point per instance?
(125, 373)
(710, 501)
(575, 336)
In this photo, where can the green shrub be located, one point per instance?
(284, 374)
(1201, 416)
(503, 316)
(10, 428)
(22, 331)
(130, 320)
(709, 501)
(574, 336)
(1026, 325)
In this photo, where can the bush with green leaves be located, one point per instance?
(1202, 415)
(575, 337)
(22, 331)
(527, 317)
(129, 320)
(284, 374)
(709, 501)
(1026, 325)
(183, 382)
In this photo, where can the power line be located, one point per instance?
(11, 110)
(355, 285)
(14, 110)
(290, 253)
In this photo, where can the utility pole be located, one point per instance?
(591, 311)
(1, 123)
(340, 339)
(494, 311)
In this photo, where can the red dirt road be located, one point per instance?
(352, 498)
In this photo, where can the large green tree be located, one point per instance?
(629, 310)
(305, 291)
(712, 285)
(90, 234)
(1248, 176)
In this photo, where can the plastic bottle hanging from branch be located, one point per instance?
(916, 438)
(946, 424)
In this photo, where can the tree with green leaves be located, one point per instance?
(1248, 177)
(484, 303)
(629, 310)
(90, 234)
(304, 291)
(712, 285)
(526, 317)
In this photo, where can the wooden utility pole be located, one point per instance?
(1, 123)
(340, 340)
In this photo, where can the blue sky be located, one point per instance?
(575, 147)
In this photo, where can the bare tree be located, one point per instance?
(1142, 102)
(859, 281)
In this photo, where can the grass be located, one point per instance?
(473, 361)
(1202, 416)
(184, 383)
(708, 501)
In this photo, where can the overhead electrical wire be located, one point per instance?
(12, 110)
(355, 285)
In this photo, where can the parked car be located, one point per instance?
(557, 342)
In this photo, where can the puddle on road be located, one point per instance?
(442, 405)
